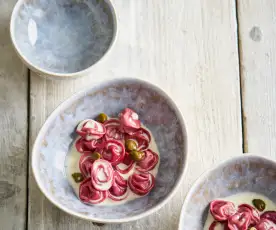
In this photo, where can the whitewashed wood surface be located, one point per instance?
(224, 88)
(190, 50)
(14, 127)
(257, 23)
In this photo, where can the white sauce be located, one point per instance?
(72, 166)
(241, 198)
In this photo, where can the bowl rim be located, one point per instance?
(206, 173)
(40, 70)
(79, 95)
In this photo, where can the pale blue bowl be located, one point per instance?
(62, 38)
(156, 110)
(247, 173)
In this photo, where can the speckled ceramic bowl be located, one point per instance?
(247, 173)
(63, 38)
(156, 110)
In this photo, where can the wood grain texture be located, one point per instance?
(257, 26)
(189, 48)
(13, 126)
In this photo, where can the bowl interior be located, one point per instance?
(241, 174)
(64, 36)
(156, 111)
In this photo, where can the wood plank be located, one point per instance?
(13, 125)
(189, 48)
(257, 26)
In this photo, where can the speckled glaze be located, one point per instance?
(156, 110)
(247, 173)
(64, 37)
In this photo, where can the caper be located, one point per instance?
(96, 156)
(259, 204)
(102, 117)
(137, 155)
(78, 177)
(130, 145)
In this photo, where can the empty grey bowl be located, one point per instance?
(63, 38)
(247, 173)
(156, 110)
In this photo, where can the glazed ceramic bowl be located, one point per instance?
(157, 112)
(63, 38)
(247, 173)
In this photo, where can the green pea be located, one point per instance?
(259, 204)
(78, 177)
(102, 117)
(136, 155)
(96, 156)
(130, 145)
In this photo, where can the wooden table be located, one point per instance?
(215, 58)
